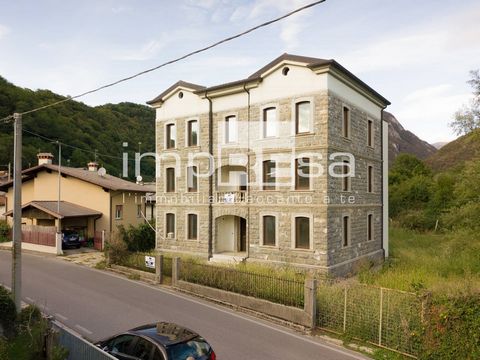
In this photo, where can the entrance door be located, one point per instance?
(243, 235)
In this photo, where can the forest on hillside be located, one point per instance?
(83, 130)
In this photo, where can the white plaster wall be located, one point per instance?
(190, 105)
(353, 97)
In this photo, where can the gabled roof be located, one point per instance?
(178, 84)
(315, 64)
(67, 209)
(108, 181)
(288, 57)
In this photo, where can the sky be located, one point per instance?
(417, 54)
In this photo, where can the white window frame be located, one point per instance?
(277, 121)
(174, 180)
(294, 116)
(276, 216)
(165, 140)
(186, 179)
(139, 215)
(187, 134)
(349, 137)
(293, 231)
(187, 225)
(175, 234)
(121, 212)
(224, 129)
(349, 239)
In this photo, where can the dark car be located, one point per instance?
(161, 341)
(71, 239)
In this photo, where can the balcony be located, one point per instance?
(230, 197)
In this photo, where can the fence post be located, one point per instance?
(103, 241)
(175, 270)
(58, 243)
(310, 300)
(345, 311)
(158, 268)
(380, 318)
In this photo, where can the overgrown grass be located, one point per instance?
(440, 263)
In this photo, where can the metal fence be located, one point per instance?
(284, 291)
(384, 317)
(79, 348)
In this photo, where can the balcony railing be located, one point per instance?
(230, 197)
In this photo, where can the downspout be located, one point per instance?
(381, 192)
(248, 171)
(382, 216)
(210, 178)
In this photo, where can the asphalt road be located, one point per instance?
(98, 304)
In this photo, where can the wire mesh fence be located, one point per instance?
(288, 292)
(384, 317)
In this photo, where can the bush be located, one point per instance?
(421, 219)
(453, 329)
(463, 217)
(138, 239)
(8, 313)
(4, 231)
(116, 250)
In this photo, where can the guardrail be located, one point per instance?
(78, 347)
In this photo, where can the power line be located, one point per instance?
(177, 59)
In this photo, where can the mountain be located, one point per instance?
(453, 155)
(83, 129)
(404, 141)
(440, 144)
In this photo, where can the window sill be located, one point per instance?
(303, 134)
(302, 250)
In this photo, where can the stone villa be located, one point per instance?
(298, 159)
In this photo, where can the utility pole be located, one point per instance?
(59, 227)
(17, 214)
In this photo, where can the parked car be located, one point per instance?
(71, 239)
(161, 341)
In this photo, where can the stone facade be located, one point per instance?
(235, 227)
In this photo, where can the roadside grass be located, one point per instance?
(442, 263)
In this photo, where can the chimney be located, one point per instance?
(92, 166)
(45, 158)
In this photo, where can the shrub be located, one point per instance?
(8, 313)
(4, 231)
(116, 250)
(138, 239)
(462, 217)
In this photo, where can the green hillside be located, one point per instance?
(453, 155)
(81, 127)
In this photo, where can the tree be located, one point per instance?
(467, 118)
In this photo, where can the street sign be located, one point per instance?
(150, 262)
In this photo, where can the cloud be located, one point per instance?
(429, 109)
(3, 31)
(145, 52)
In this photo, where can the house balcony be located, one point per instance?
(231, 197)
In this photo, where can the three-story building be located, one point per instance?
(287, 166)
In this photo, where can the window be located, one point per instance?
(139, 211)
(192, 133)
(370, 133)
(269, 122)
(231, 129)
(302, 233)
(192, 180)
(170, 179)
(269, 175)
(302, 117)
(170, 224)
(346, 230)
(302, 175)
(346, 122)
(118, 211)
(192, 226)
(370, 179)
(121, 345)
(142, 349)
(369, 227)
(346, 178)
(171, 136)
(269, 230)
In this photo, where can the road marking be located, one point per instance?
(61, 317)
(84, 330)
(242, 317)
